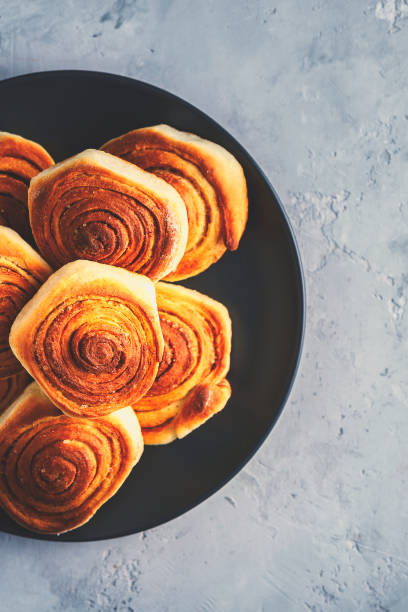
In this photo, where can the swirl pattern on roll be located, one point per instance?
(98, 207)
(91, 338)
(208, 178)
(22, 271)
(20, 161)
(197, 346)
(57, 471)
(11, 387)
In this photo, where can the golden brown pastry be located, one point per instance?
(20, 160)
(208, 178)
(190, 385)
(22, 271)
(177, 420)
(11, 387)
(57, 471)
(91, 338)
(98, 207)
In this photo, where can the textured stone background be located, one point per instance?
(317, 91)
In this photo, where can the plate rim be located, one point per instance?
(300, 282)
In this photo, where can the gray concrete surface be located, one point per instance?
(317, 91)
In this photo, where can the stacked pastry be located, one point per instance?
(120, 359)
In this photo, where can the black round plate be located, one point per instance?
(261, 284)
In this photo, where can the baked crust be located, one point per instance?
(20, 160)
(203, 402)
(98, 207)
(91, 338)
(190, 385)
(57, 471)
(209, 179)
(22, 271)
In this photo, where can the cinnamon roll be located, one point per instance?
(20, 160)
(190, 384)
(57, 471)
(22, 271)
(98, 207)
(91, 338)
(209, 179)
